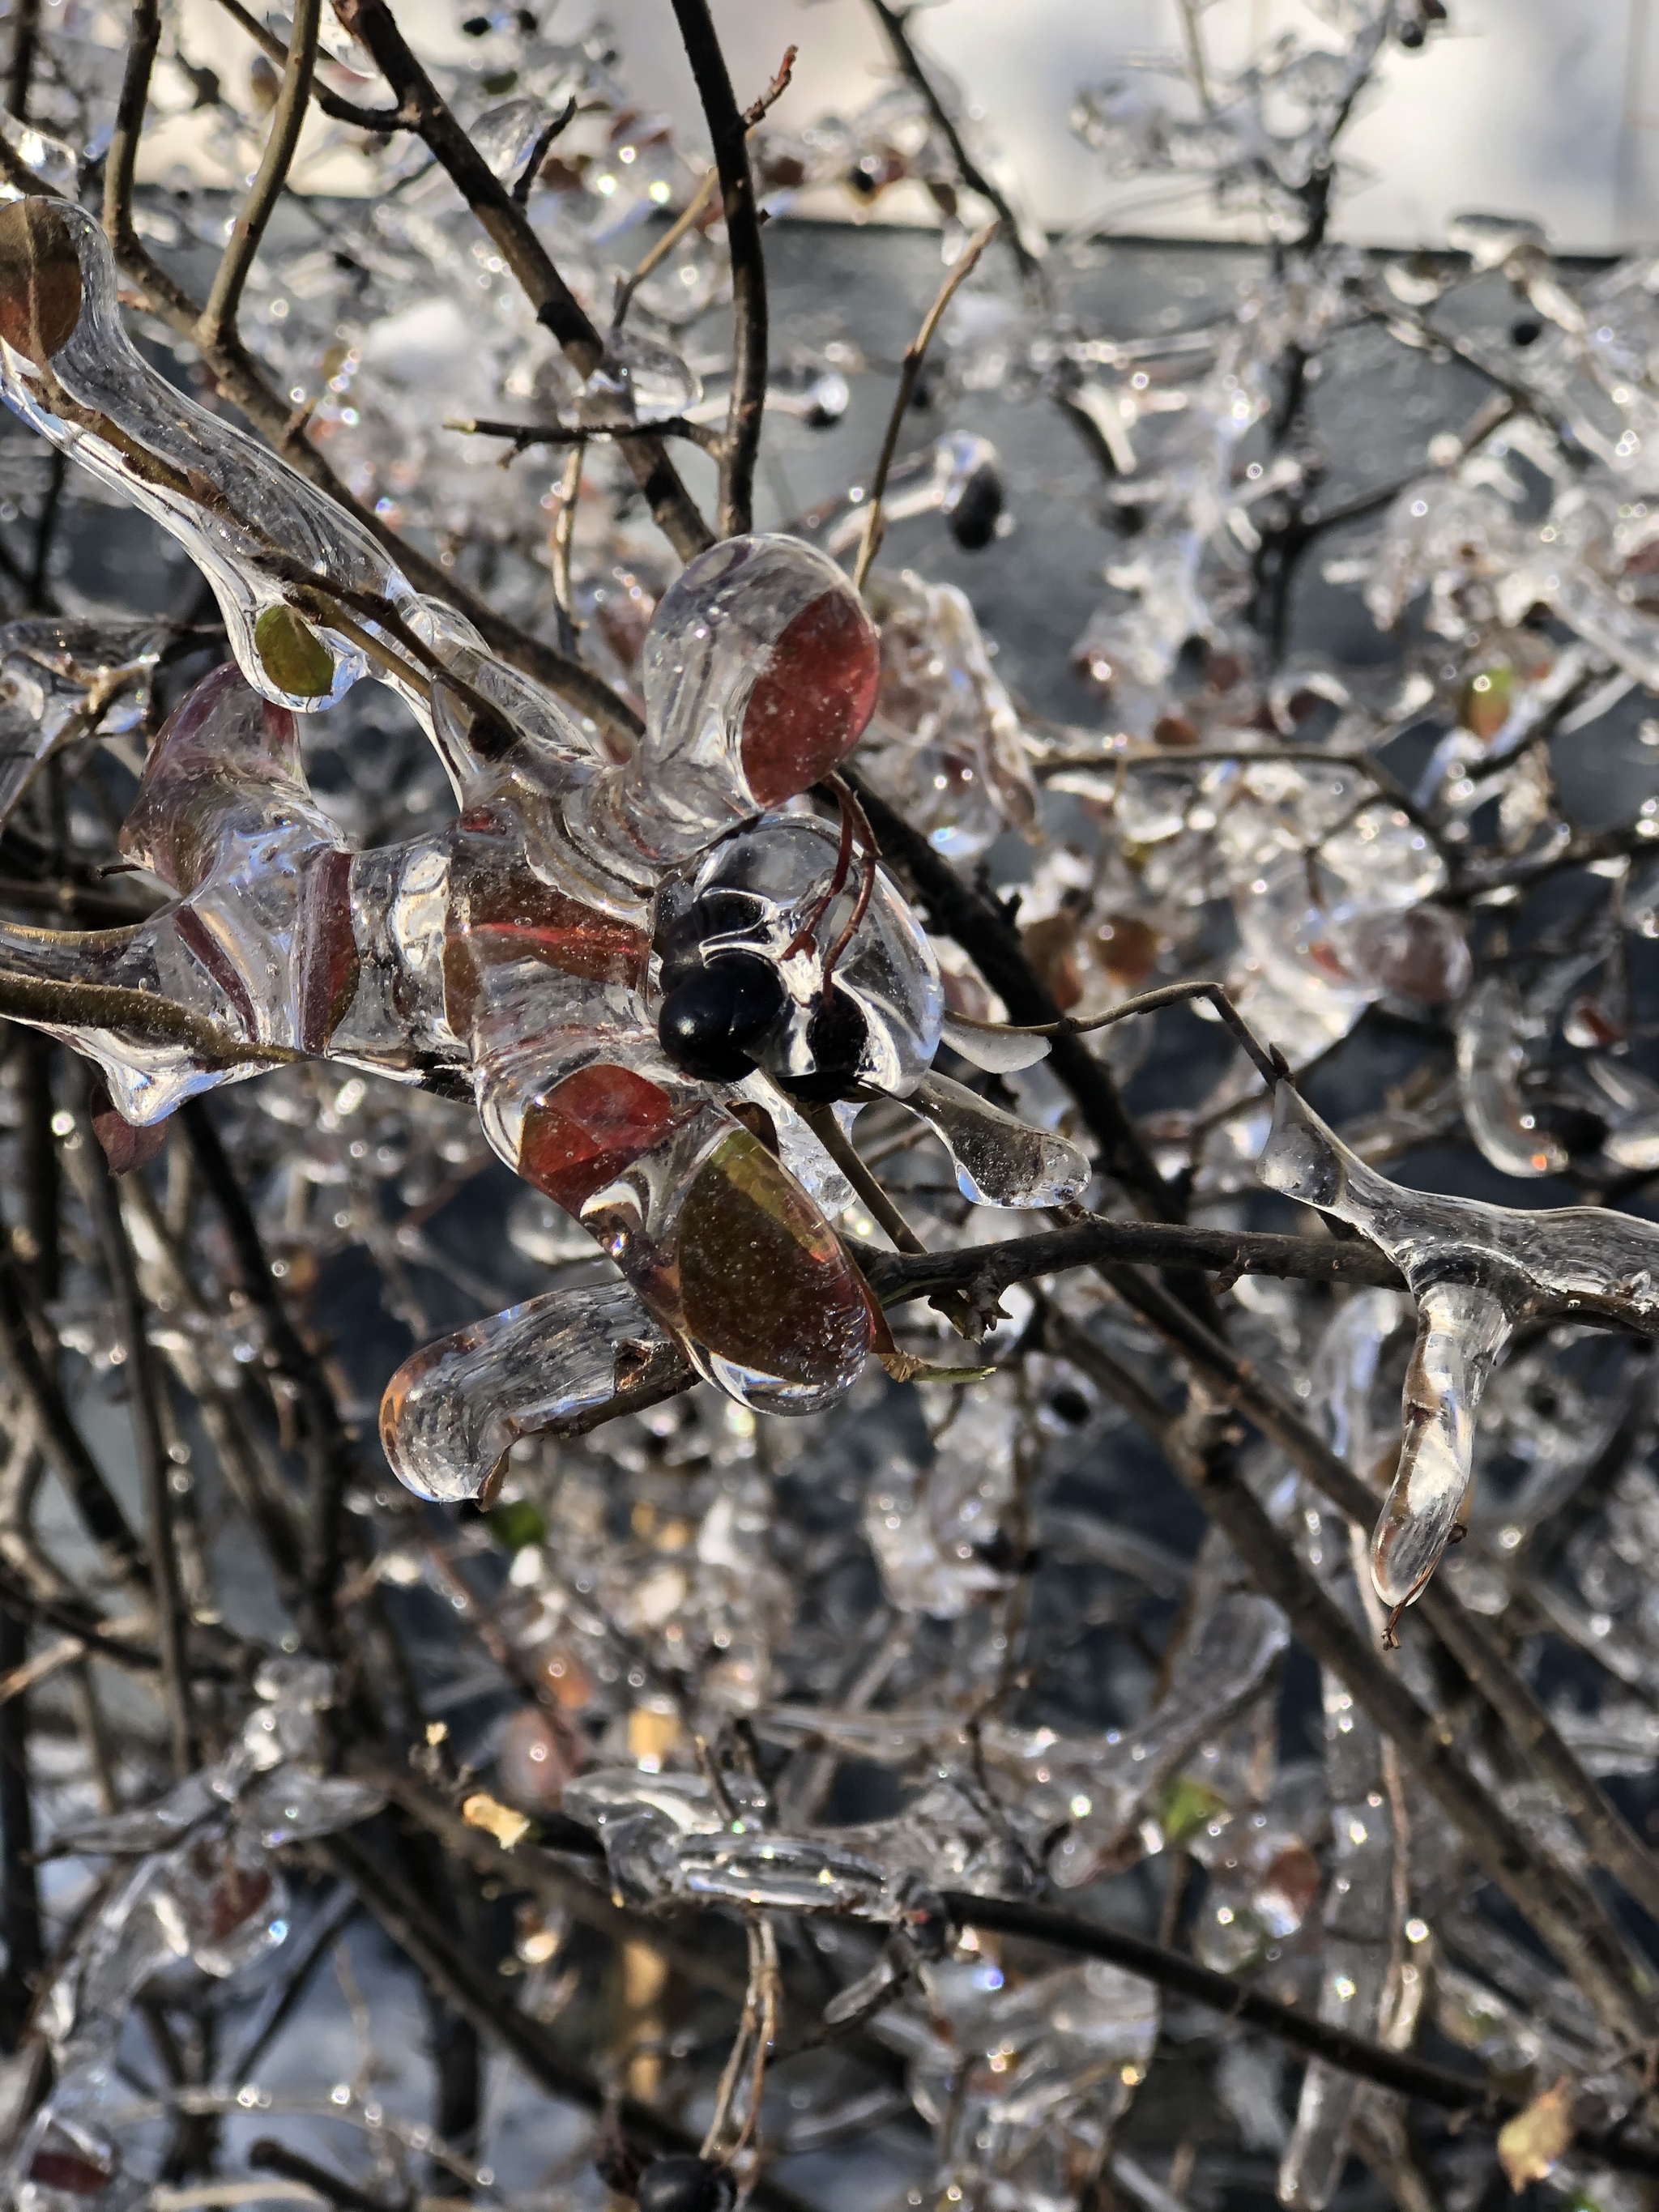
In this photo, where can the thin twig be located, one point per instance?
(895, 23)
(1270, 1064)
(218, 324)
(692, 213)
(330, 1451)
(914, 354)
(20, 67)
(20, 1898)
(564, 541)
(524, 435)
(821, 1120)
(729, 136)
(509, 229)
(150, 1438)
(96, 1504)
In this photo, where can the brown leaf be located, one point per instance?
(125, 1145)
(1529, 2145)
(1051, 947)
(39, 280)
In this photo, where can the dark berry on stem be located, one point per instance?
(683, 2185)
(710, 1021)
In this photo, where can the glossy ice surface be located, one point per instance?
(1474, 1270)
(512, 952)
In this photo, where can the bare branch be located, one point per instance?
(895, 23)
(218, 323)
(729, 134)
(914, 354)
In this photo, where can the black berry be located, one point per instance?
(712, 1019)
(683, 2185)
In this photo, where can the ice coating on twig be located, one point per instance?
(61, 679)
(1363, 1977)
(451, 1412)
(456, 956)
(207, 1888)
(1235, 1639)
(998, 1160)
(944, 744)
(245, 518)
(671, 1837)
(1462, 1329)
(512, 952)
(1476, 1270)
(1029, 2078)
(936, 1531)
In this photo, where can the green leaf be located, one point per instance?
(292, 654)
(516, 1524)
(1185, 1807)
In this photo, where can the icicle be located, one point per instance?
(1474, 1270)
(999, 1161)
(451, 1412)
(1489, 1058)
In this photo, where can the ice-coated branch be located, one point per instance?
(329, 1449)
(1233, 2000)
(96, 1506)
(992, 942)
(1563, 1910)
(411, 1927)
(156, 1469)
(1476, 1271)
(1474, 1648)
(987, 1269)
(522, 436)
(239, 379)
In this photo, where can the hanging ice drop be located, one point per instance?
(1474, 1271)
